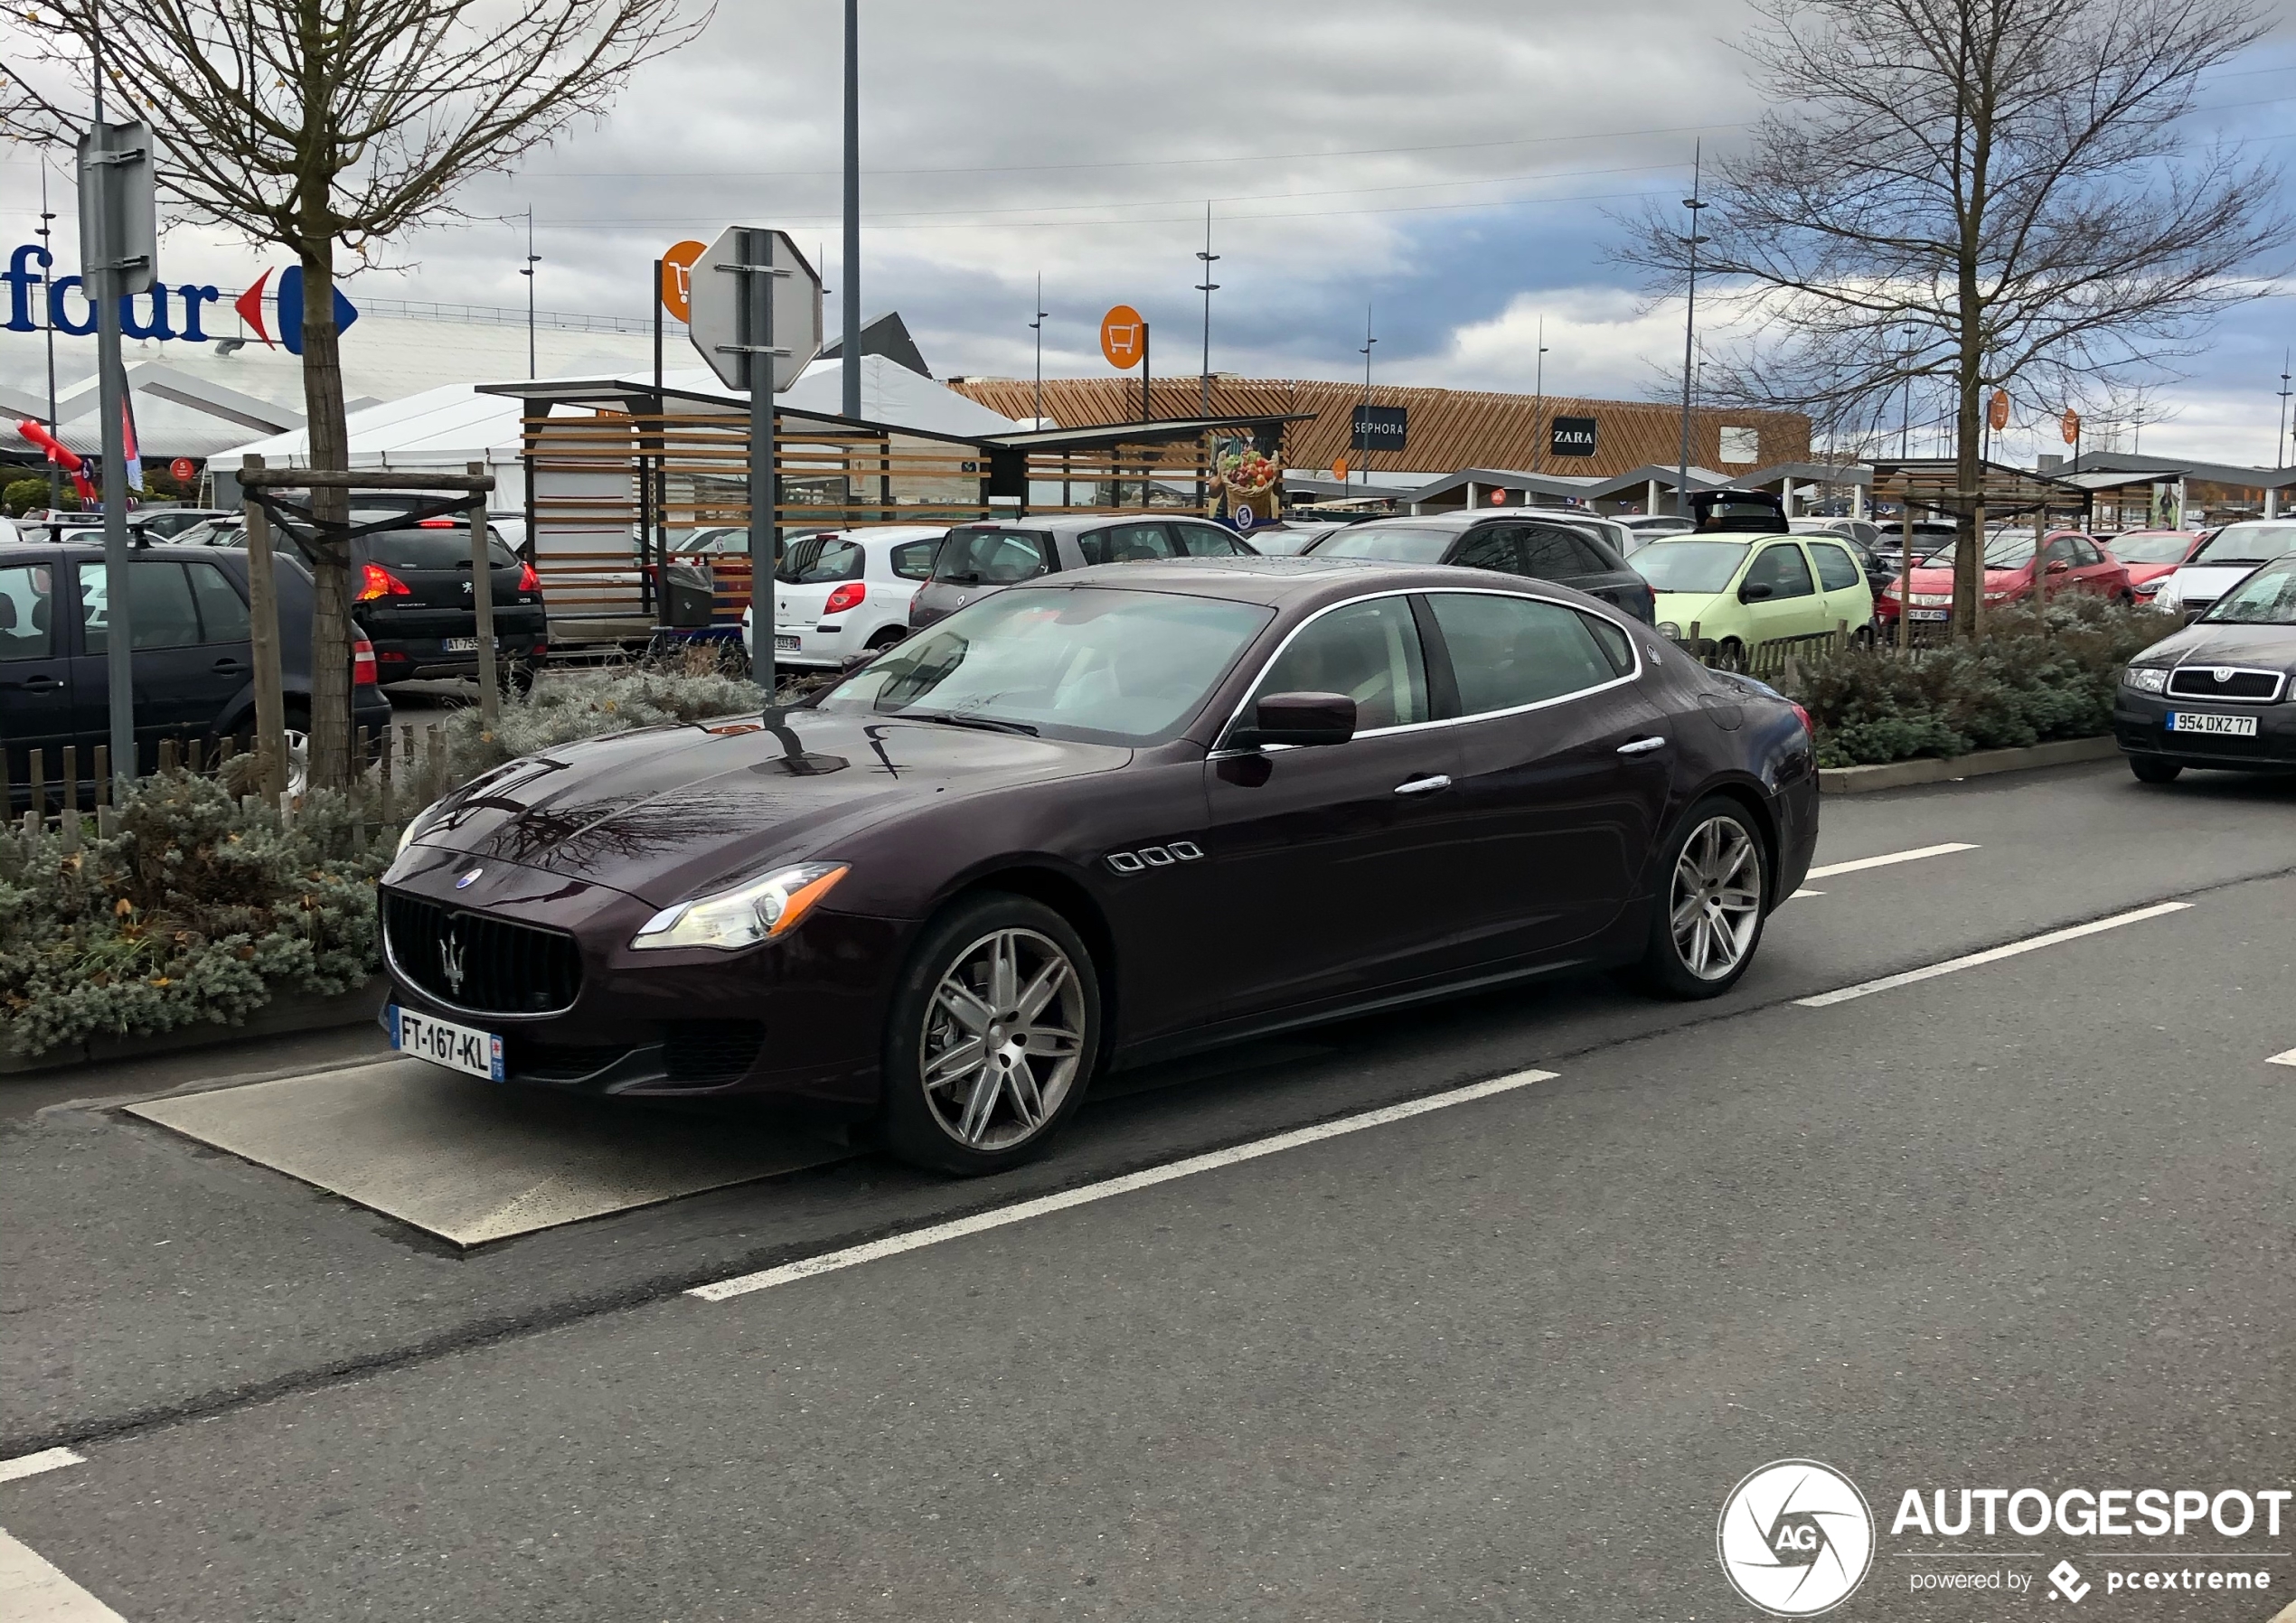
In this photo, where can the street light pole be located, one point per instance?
(1689, 328)
(55, 468)
(527, 271)
(1036, 327)
(1365, 448)
(1538, 402)
(849, 352)
(1208, 287)
(2280, 445)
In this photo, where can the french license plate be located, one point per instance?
(2191, 721)
(444, 1043)
(463, 644)
(782, 644)
(1929, 614)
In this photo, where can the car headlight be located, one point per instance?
(759, 910)
(2147, 588)
(1667, 628)
(2145, 678)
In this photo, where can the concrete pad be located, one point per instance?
(471, 1160)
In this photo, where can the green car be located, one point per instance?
(1741, 591)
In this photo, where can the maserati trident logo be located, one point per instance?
(450, 960)
(467, 880)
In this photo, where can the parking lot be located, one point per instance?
(1478, 1310)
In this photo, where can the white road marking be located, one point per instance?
(32, 1465)
(33, 1591)
(1916, 855)
(1021, 1212)
(1993, 955)
(1804, 891)
(2288, 1058)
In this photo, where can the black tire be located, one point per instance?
(887, 637)
(938, 1127)
(2152, 769)
(1667, 964)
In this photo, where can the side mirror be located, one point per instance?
(2058, 565)
(1304, 719)
(1754, 591)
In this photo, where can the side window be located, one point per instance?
(2085, 553)
(1369, 652)
(1206, 540)
(1613, 641)
(222, 615)
(27, 612)
(1558, 555)
(1507, 651)
(1836, 569)
(913, 560)
(1590, 561)
(1492, 546)
(1780, 569)
(161, 609)
(1126, 544)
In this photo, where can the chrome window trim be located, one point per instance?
(1251, 692)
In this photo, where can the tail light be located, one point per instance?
(1806, 725)
(362, 660)
(437, 523)
(848, 596)
(375, 581)
(527, 581)
(541, 649)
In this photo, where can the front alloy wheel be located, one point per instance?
(1714, 907)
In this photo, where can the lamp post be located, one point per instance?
(1036, 327)
(1208, 287)
(1689, 328)
(849, 352)
(55, 468)
(1367, 341)
(1538, 402)
(527, 271)
(1906, 422)
(2280, 444)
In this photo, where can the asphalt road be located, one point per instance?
(2027, 1223)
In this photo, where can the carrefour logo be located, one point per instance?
(166, 313)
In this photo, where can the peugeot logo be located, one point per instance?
(450, 960)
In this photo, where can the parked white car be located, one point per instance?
(845, 591)
(2224, 560)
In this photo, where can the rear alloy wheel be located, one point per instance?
(1704, 934)
(995, 1029)
(2152, 769)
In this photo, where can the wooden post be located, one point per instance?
(39, 785)
(263, 616)
(167, 757)
(482, 597)
(103, 776)
(70, 785)
(385, 767)
(1905, 577)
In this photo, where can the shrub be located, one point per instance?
(2016, 687)
(20, 496)
(198, 907)
(695, 686)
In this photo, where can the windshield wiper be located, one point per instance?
(986, 723)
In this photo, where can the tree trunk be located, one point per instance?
(330, 751)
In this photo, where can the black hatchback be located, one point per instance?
(412, 588)
(1536, 548)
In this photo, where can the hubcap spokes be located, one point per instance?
(1716, 902)
(1003, 1039)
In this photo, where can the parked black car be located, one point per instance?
(412, 588)
(194, 663)
(1516, 543)
(2221, 693)
(979, 560)
(1100, 818)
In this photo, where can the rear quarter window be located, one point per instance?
(1837, 570)
(913, 560)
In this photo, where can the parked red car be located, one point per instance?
(2075, 563)
(2153, 556)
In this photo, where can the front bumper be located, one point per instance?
(825, 644)
(2139, 728)
(798, 1021)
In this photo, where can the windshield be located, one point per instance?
(2267, 597)
(2010, 549)
(2248, 544)
(1085, 662)
(1690, 565)
(2151, 547)
(441, 549)
(812, 559)
(1395, 543)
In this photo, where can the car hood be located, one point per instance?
(1683, 607)
(2207, 581)
(669, 812)
(2265, 647)
(1996, 580)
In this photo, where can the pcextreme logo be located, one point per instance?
(1795, 1538)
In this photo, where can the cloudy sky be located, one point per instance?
(1452, 165)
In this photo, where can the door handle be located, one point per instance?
(36, 684)
(1426, 786)
(228, 664)
(1642, 746)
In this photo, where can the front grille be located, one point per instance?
(2199, 681)
(477, 962)
(701, 1051)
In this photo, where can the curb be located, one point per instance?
(1902, 774)
(303, 1011)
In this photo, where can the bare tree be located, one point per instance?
(327, 129)
(1979, 192)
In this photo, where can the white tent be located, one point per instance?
(894, 395)
(440, 429)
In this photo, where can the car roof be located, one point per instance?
(1068, 523)
(95, 548)
(1274, 582)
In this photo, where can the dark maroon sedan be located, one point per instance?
(1093, 820)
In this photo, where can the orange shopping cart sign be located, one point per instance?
(1123, 337)
(677, 279)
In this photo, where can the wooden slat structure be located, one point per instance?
(1935, 483)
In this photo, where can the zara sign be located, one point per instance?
(1571, 436)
